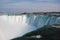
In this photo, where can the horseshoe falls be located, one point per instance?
(18, 25)
(41, 20)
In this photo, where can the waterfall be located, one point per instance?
(35, 20)
(52, 20)
(41, 20)
(18, 25)
(14, 26)
(58, 20)
(30, 19)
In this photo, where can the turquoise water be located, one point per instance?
(41, 20)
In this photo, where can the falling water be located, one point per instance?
(30, 19)
(15, 26)
(40, 20)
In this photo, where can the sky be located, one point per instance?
(30, 5)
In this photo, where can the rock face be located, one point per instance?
(47, 32)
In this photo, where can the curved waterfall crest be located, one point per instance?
(34, 20)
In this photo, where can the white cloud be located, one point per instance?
(31, 7)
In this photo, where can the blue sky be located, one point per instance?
(29, 5)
